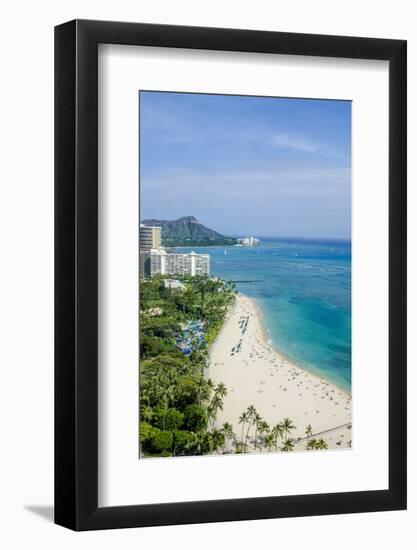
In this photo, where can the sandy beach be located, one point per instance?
(255, 373)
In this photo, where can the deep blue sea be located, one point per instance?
(304, 291)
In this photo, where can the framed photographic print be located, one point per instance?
(230, 275)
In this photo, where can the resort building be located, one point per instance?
(248, 241)
(144, 264)
(155, 260)
(160, 262)
(186, 264)
(149, 237)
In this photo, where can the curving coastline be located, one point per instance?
(256, 373)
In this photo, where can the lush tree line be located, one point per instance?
(255, 431)
(198, 241)
(178, 405)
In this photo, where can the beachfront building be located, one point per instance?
(144, 263)
(155, 260)
(149, 237)
(161, 262)
(248, 241)
(187, 264)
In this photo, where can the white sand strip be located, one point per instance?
(256, 374)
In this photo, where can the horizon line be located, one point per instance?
(298, 237)
(246, 234)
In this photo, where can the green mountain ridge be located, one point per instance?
(188, 231)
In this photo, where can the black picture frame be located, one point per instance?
(76, 272)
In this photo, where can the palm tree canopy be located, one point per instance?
(263, 426)
(243, 418)
(278, 430)
(269, 441)
(288, 445)
(321, 444)
(221, 390)
(228, 430)
(288, 425)
(311, 444)
(251, 412)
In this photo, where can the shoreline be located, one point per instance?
(256, 373)
(269, 341)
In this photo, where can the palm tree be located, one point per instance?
(228, 434)
(202, 442)
(251, 412)
(147, 413)
(221, 390)
(215, 405)
(321, 444)
(167, 397)
(211, 416)
(229, 286)
(311, 444)
(288, 445)
(242, 420)
(308, 431)
(217, 402)
(217, 439)
(239, 447)
(151, 391)
(202, 389)
(288, 426)
(278, 431)
(263, 428)
(269, 441)
(257, 421)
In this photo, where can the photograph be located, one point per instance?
(245, 274)
(208, 237)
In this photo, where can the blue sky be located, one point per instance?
(247, 165)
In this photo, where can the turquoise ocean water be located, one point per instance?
(304, 291)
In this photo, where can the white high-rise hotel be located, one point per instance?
(155, 260)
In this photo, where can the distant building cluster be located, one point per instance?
(155, 260)
(248, 241)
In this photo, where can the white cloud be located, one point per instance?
(275, 184)
(297, 143)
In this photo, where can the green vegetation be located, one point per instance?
(316, 444)
(178, 406)
(264, 436)
(188, 231)
(261, 435)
